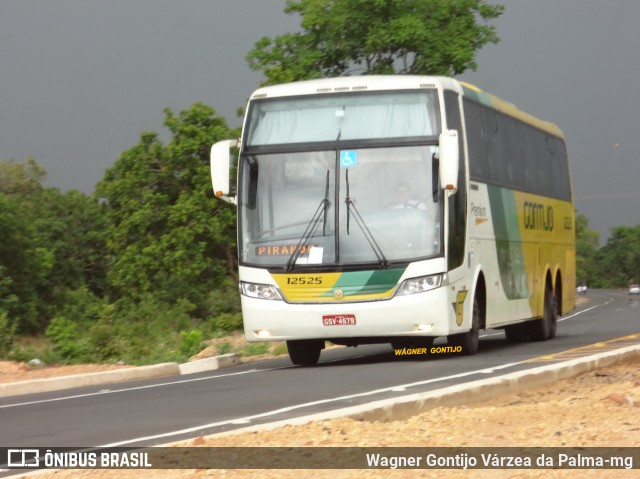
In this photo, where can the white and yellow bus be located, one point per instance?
(397, 209)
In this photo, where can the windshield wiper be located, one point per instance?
(326, 205)
(321, 212)
(351, 206)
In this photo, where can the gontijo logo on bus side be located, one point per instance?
(345, 286)
(537, 216)
(527, 227)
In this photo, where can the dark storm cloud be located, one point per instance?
(576, 63)
(80, 79)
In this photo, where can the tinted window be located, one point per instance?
(510, 153)
(476, 140)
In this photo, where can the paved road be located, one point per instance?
(162, 410)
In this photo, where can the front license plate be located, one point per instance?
(339, 320)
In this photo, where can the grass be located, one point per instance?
(27, 348)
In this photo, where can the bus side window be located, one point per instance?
(476, 140)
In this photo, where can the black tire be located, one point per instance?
(469, 340)
(517, 333)
(554, 317)
(545, 328)
(305, 352)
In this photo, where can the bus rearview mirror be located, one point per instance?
(220, 168)
(449, 160)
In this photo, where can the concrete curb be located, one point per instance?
(209, 364)
(396, 409)
(120, 375)
(487, 388)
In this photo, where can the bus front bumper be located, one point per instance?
(419, 315)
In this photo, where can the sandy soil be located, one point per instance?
(11, 371)
(600, 408)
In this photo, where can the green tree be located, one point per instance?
(341, 37)
(55, 243)
(619, 259)
(71, 227)
(168, 236)
(21, 179)
(21, 265)
(587, 243)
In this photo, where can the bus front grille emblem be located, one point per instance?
(338, 293)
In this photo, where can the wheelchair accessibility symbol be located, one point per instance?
(348, 158)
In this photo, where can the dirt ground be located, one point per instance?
(11, 371)
(600, 408)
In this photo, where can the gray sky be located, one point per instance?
(80, 79)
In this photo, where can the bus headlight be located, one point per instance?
(259, 291)
(422, 284)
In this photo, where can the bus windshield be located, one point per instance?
(343, 117)
(339, 207)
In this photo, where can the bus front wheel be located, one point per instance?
(305, 352)
(469, 340)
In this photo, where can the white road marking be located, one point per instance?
(275, 412)
(150, 386)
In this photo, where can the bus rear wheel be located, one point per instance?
(517, 333)
(469, 340)
(305, 352)
(554, 317)
(545, 328)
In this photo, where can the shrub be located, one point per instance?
(7, 333)
(191, 342)
(104, 341)
(227, 322)
(81, 305)
(224, 348)
(64, 334)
